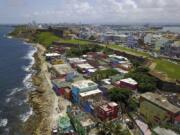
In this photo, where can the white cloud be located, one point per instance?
(111, 11)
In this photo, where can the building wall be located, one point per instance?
(153, 113)
(75, 95)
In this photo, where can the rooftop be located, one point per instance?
(160, 101)
(85, 66)
(76, 60)
(130, 81)
(83, 84)
(144, 127)
(108, 106)
(52, 54)
(84, 118)
(63, 68)
(118, 57)
(92, 92)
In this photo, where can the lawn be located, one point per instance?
(164, 66)
(45, 38)
(128, 50)
(74, 41)
(172, 70)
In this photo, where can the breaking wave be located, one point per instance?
(3, 122)
(14, 91)
(24, 117)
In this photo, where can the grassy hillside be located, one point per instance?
(172, 70)
(163, 66)
(74, 41)
(45, 38)
(128, 50)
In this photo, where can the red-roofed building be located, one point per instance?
(108, 111)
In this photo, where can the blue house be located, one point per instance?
(80, 87)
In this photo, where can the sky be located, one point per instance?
(90, 11)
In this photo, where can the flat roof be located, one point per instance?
(92, 92)
(85, 66)
(84, 84)
(112, 104)
(118, 57)
(63, 68)
(160, 101)
(52, 54)
(144, 127)
(87, 122)
(129, 80)
(76, 60)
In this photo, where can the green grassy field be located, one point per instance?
(172, 70)
(128, 50)
(74, 41)
(45, 38)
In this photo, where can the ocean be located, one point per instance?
(16, 60)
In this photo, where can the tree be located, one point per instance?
(120, 95)
(92, 37)
(112, 129)
(145, 81)
(132, 105)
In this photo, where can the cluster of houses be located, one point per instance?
(71, 79)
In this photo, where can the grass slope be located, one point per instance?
(172, 70)
(74, 41)
(46, 38)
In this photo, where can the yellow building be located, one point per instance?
(156, 109)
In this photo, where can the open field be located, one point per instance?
(163, 66)
(74, 41)
(172, 70)
(45, 38)
(129, 50)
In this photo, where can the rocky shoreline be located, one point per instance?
(41, 99)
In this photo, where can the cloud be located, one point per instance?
(101, 11)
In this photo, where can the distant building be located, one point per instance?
(171, 49)
(156, 109)
(132, 41)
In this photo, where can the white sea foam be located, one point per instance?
(24, 117)
(3, 122)
(27, 81)
(30, 57)
(15, 90)
(8, 100)
(9, 37)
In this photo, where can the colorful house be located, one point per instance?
(80, 87)
(82, 122)
(62, 87)
(156, 109)
(62, 71)
(64, 126)
(83, 68)
(108, 111)
(128, 83)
